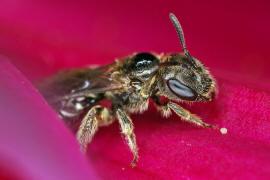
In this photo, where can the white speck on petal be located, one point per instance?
(223, 130)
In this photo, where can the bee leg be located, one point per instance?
(184, 114)
(127, 129)
(95, 117)
(162, 107)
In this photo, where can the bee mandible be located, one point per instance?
(128, 84)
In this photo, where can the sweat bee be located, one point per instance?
(128, 84)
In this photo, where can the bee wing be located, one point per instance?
(77, 83)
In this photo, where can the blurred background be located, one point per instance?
(230, 37)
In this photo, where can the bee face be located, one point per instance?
(181, 79)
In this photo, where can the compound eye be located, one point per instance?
(181, 90)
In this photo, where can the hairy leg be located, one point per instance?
(183, 113)
(186, 115)
(96, 116)
(127, 130)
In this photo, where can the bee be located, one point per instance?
(127, 84)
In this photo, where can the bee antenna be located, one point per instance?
(180, 33)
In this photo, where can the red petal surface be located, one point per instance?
(231, 38)
(34, 143)
(170, 148)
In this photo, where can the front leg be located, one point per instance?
(183, 113)
(186, 115)
(127, 129)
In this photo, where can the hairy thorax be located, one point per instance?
(133, 100)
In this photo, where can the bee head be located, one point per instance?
(183, 77)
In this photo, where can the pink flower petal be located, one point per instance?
(173, 149)
(34, 143)
(231, 38)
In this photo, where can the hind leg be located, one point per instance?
(96, 116)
